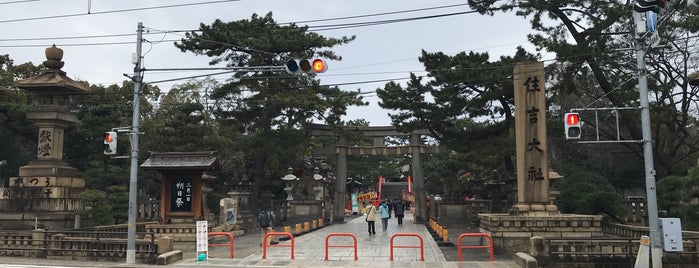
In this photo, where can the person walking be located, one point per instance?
(399, 211)
(266, 220)
(383, 210)
(371, 218)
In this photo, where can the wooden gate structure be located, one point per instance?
(341, 150)
(181, 187)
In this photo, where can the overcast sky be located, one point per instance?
(380, 52)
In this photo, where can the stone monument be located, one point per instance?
(534, 214)
(47, 190)
(235, 209)
(304, 205)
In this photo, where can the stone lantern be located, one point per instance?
(48, 181)
(51, 92)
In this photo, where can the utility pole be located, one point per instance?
(133, 178)
(656, 250)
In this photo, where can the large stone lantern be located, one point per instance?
(51, 92)
(48, 181)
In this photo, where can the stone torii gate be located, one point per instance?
(341, 150)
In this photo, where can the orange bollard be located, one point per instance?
(287, 229)
(306, 227)
(298, 229)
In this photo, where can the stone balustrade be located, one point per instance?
(79, 245)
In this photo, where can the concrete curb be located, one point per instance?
(169, 257)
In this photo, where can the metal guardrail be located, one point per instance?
(354, 245)
(421, 246)
(231, 243)
(264, 244)
(489, 246)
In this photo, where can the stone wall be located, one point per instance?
(511, 233)
(461, 214)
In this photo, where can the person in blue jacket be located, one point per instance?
(383, 210)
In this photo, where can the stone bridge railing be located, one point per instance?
(617, 249)
(77, 245)
(624, 230)
(603, 252)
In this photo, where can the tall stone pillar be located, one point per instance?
(418, 179)
(341, 181)
(531, 141)
(534, 214)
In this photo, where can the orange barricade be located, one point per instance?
(421, 246)
(489, 246)
(230, 240)
(327, 238)
(264, 245)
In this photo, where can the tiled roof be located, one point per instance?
(182, 160)
(52, 81)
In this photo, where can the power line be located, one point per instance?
(378, 14)
(83, 44)
(17, 2)
(381, 22)
(116, 11)
(346, 25)
(71, 37)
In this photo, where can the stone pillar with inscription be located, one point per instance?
(47, 189)
(531, 141)
(534, 214)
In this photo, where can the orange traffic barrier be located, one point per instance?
(421, 246)
(264, 245)
(230, 240)
(327, 238)
(489, 246)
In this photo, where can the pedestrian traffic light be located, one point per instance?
(309, 66)
(572, 126)
(110, 143)
(642, 6)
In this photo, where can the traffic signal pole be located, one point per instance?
(656, 250)
(133, 208)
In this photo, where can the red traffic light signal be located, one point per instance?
(572, 126)
(572, 119)
(110, 143)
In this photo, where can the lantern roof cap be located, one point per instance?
(52, 80)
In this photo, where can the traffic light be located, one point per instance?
(309, 66)
(110, 143)
(572, 126)
(648, 5)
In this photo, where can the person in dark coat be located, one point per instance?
(399, 211)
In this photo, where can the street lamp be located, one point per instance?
(316, 174)
(289, 178)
